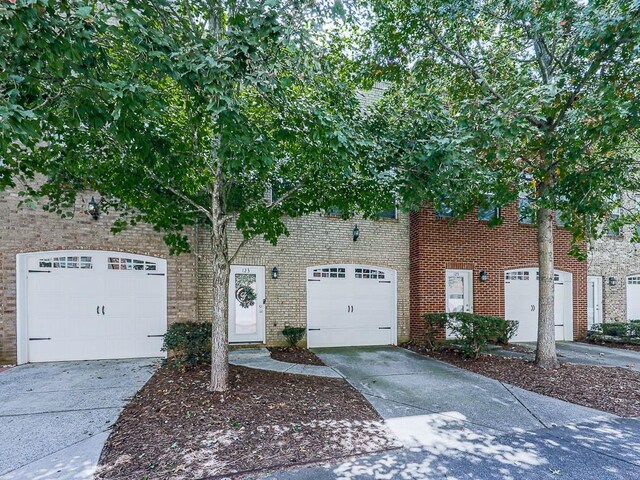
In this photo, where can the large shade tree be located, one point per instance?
(185, 112)
(500, 99)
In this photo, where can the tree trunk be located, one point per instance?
(219, 341)
(221, 271)
(546, 352)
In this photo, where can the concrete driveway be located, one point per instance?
(455, 424)
(55, 417)
(585, 354)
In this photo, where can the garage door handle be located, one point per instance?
(98, 309)
(313, 329)
(39, 338)
(103, 309)
(384, 328)
(153, 336)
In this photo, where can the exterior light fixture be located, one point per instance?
(356, 233)
(484, 276)
(93, 208)
(613, 281)
(274, 272)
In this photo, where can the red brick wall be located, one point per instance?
(438, 244)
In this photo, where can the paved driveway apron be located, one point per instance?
(455, 424)
(55, 417)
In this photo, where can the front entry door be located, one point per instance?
(246, 305)
(459, 291)
(594, 301)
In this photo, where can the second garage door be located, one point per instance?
(521, 303)
(350, 305)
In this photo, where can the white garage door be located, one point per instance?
(351, 305)
(521, 303)
(87, 305)
(633, 297)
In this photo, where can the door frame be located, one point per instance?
(22, 294)
(597, 299)
(469, 286)
(351, 267)
(262, 301)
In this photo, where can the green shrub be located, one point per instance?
(435, 323)
(472, 331)
(294, 335)
(634, 328)
(615, 329)
(188, 344)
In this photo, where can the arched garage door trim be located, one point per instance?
(108, 275)
(351, 304)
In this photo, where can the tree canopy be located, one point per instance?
(502, 99)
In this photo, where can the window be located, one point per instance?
(521, 275)
(560, 221)
(118, 263)
(613, 230)
(486, 214)
(633, 280)
(66, 262)
(329, 272)
(368, 273)
(392, 213)
(525, 213)
(444, 212)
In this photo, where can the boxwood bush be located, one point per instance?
(188, 344)
(293, 335)
(621, 330)
(472, 331)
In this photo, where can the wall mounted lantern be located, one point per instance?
(484, 276)
(613, 281)
(274, 272)
(356, 233)
(93, 208)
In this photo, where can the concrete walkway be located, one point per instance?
(55, 417)
(586, 354)
(260, 358)
(455, 424)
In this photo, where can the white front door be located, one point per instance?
(246, 304)
(594, 301)
(521, 303)
(459, 291)
(350, 305)
(88, 305)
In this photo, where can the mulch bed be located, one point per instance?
(295, 355)
(614, 390)
(175, 429)
(624, 346)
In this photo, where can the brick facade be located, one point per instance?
(616, 256)
(24, 229)
(315, 240)
(438, 244)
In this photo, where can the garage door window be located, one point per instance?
(633, 280)
(368, 273)
(119, 263)
(522, 275)
(330, 272)
(65, 262)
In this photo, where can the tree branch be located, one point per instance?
(179, 194)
